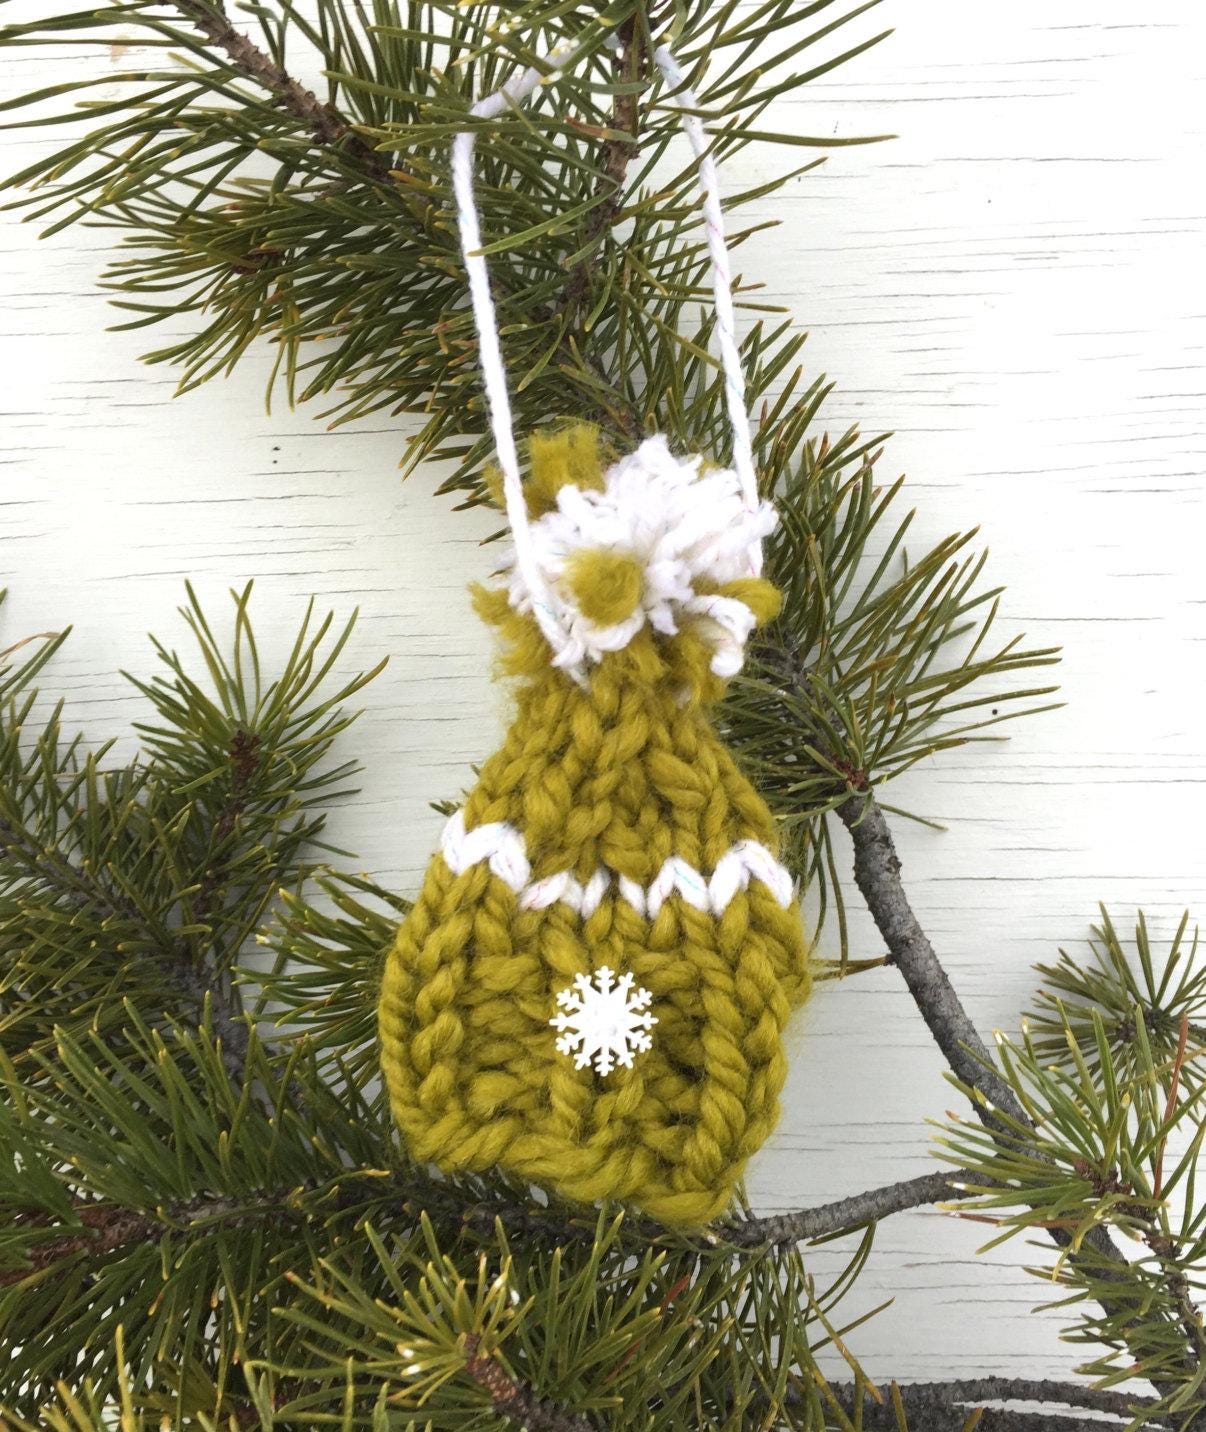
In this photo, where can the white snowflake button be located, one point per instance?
(604, 1021)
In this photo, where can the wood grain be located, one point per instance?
(1014, 287)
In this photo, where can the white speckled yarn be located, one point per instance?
(685, 527)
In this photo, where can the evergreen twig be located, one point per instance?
(206, 990)
(948, 1406)
(848, 1213)
(326, 123)
(105, 1228)
(410, 1195)
(976, 1390)
(877, 875)
(512, 1399)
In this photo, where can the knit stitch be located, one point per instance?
(612, 832)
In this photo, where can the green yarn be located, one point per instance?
(606, 585)
(621, 777)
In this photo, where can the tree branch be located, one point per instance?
(105, 1228)
(515, 1400)
(81, 888)
(325, 122)
(616, 154)
(935, 1406)
(877, 875)
(845, 1213)
(85, 889)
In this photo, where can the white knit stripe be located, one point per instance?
(550, 611)
(502, 847)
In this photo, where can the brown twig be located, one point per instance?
(845, 1213)
(515, 1400)
(936, 1406)
(877, 875)
(534, 1221)
(105, 1228)
(328, 126)
(616, 153)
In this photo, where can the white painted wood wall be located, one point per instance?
(1015, 287)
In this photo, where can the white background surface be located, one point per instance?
(1015, 287)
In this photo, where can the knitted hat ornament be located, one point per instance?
(590, 990)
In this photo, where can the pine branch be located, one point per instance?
(203, 989)
(410, 1194)
(616, 153)
(561, 1225)
(947, 1406)
(1027, 1389)
(169, 863)
(1121, 988)
(515, 1401)
(349, 262)
(1007, 1123)
(83, 888)
(846, 1213)
(877, 875)
(327, 125)
(105, 1228)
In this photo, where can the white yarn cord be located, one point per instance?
(722, 280)
(494, 374)
(545, 605)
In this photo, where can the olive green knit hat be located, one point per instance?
(591, 988)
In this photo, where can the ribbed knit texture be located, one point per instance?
(618, 777)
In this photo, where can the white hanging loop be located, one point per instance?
(546, 606)
(722, 281)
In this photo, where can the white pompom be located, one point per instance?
(682, 525)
